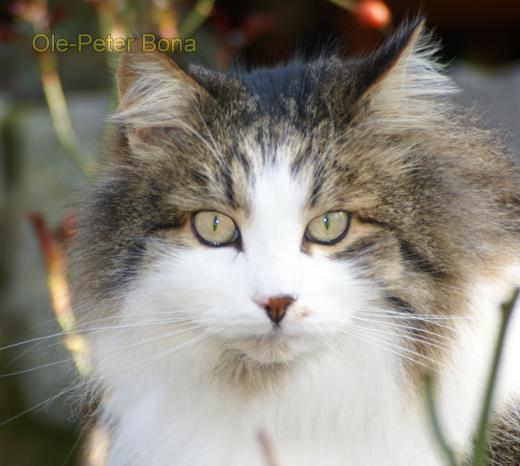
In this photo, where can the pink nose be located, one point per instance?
(276, 307)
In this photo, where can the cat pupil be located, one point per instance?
(326, 222)
(216, 221)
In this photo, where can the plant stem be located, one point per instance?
(435, 422)
(480, 455)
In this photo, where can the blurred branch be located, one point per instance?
(112, 18)
(52, 252)
(97, 446)
(166, 18)
(58, 109)
(115, 22)
(196, 17)
(349, 5)
(35, 12)
(266, 449)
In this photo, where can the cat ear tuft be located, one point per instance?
(403, 78)
(398, 46)
(155, 93)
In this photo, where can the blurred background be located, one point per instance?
(53, 108)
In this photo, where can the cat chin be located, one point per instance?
(254, 370)
(277, 348)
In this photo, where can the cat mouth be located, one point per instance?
(276, 347)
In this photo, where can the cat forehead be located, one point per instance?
(252, 173)
(302, 94)
(329, 167)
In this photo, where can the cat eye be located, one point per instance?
(328, 228)
(214, 229)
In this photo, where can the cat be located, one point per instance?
(286, 252)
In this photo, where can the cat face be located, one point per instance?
(277, 212)
(232, 290)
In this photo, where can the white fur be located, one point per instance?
(463, 384)
(341, 399)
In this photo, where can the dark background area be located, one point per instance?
(481, 42)
(264, 32)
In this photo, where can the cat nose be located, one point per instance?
(276, 307)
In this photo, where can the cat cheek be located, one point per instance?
(300, 313)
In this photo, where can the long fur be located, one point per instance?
(189, 365)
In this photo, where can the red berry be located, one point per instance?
(373, 13)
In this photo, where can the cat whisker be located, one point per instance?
(402, 351)
(87, 331)
(41, 404)
(113, 350)
(394, 315)
(429, 318)
(432, 317)
(363, 337)
(159, 356)
(87, 382)
(33, 369)
(407, 336)
(410, 328)
(28, 350)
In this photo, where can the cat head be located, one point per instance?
(279, 211)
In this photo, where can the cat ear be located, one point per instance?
(155, 93)
(403, 80)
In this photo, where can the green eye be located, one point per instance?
(214, 229)
(328, 228)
